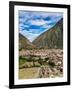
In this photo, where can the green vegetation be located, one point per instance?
(47, 58)
(22, 60)
(40, 61)
(28, 62)
(51, 64)
(31, 61)
(20, 49)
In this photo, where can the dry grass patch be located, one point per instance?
(28, 73)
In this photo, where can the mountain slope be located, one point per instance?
(52, 38)
(24, 43)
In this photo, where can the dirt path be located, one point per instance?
(37, 74)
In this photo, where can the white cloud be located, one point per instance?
(38, 22)
(29, 36)
(47, 26)
(28, 18)
(51, 14)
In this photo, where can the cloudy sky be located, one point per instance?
(33, 23)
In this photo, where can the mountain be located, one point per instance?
(24, 43)
(52, 38)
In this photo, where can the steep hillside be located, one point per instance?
(52, 38)
(24, 43)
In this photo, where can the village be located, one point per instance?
(47, 63)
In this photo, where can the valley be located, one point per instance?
(42, 63)
(43, 57)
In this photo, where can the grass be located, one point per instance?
(21, 60)
(31, 61)
(28, 73)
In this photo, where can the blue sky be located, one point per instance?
(33, 23)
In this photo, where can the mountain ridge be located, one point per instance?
(52, 38)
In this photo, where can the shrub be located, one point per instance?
(40, 61)
(47, 58)
(52, 64)
(22, 60)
